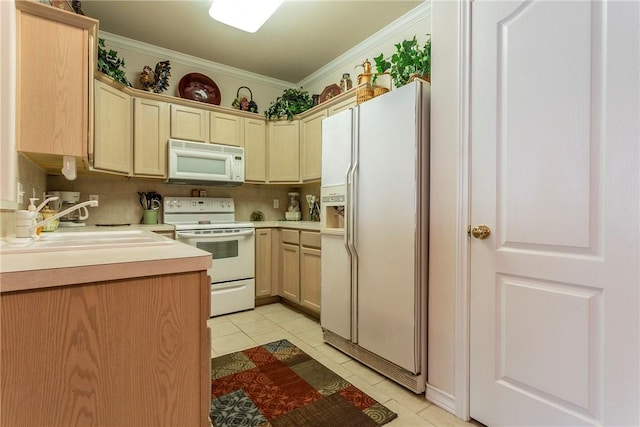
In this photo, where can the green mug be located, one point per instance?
(150, 216)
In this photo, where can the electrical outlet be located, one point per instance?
(276, 203)
(94, 197)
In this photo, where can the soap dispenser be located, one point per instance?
(25, 219)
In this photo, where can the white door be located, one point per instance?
(554, 155)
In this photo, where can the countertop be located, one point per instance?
(22, 271)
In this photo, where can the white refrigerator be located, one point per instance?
(374, 229)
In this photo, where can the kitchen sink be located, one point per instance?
(83, 240)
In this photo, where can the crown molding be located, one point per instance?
(191, 61)
(388, 33)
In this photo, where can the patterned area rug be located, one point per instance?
(277, 384)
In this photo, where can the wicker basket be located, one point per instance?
(380, 89)
(244, 104)
(364, 93)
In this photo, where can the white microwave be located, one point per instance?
(199, 163)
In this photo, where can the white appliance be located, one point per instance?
(374, 230)
(199, 163)
(209, 224)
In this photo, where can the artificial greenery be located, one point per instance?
(290, 103)
(109, 63)
(410, 59)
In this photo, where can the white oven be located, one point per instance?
(207, 223)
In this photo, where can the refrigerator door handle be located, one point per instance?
(352, 202)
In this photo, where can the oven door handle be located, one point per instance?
(184, 234)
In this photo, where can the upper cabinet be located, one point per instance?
(255, 150)
(113, 138)
(189, 123)
(55, 51)
(341, 106)
(150, 135)
(311, 146)
(226, 129)
(284, 151)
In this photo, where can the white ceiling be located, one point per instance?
(300, 38)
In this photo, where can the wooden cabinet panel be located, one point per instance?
(263, 263)
(189, 123)
(255, 150)
(124, 353)
(113, 137)
(226, 129)
(54, 83)
(300, 268)
(284, 151)
(290, 271)
(341, 106)
(310, 261)
(150, 135)
(311, 146)
(290, 236)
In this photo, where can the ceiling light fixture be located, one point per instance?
(246, 15)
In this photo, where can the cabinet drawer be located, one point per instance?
(310, 239)
(290, 236)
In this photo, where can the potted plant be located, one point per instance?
(410, 60)
(290, 103)
(109, 63)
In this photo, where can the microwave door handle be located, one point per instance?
(209, 236)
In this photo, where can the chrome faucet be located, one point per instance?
(26, 224)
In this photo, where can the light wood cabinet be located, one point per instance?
(127, 352)
(255, 150)
(284, 151)
(55, 51)
(263, 263)
(150, 135)
(310, 257)
(189, 123)
(300, 268)
(341, 106)
(226, 129)
(311, 146)
(113, 139)
(290, 265)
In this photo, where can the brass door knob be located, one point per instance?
(480, 232)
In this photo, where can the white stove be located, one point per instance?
(209, 224)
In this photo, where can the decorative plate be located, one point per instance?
(198, 87)
(329, 92)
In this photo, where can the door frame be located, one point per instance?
(463, 214)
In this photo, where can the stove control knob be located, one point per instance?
(179, 203)
(170, 203)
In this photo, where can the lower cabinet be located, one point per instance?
(310, 270)
(266, 262)
(300, 268)
(127, 352)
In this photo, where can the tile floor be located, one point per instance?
(268, 323)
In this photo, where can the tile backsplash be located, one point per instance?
(118, 197)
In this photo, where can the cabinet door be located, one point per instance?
(189, 123)
(113, 137)
(344, 105)
(311, 146)
(150, 135)
(263, 262)
(226, 129)
(255, 150)
(290, 272)
(284, 151)
(54, 80)
(310, 278)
